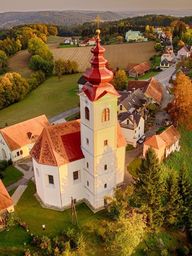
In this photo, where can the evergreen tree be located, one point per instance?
(149, 189)
(173, 201)
(185, 190)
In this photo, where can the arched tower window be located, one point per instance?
(87, 113)
(106, 115)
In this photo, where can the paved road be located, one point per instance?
(165, 75)
(64, 115)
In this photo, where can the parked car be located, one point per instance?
(141, 140)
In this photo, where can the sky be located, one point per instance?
(99, 5)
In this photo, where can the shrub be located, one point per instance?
(36, 79)
(38, 63)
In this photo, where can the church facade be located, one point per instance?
(83, 159)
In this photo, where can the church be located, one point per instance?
(83, 160)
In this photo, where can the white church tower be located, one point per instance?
(99, 131)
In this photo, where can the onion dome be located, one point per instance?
(98, 76)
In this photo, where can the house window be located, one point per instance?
(17, 153)
(105, 186)
(86, 113)
(21, 152)
(105, 167)
(87, 141)
(51, 179)
(105, 142)
(87, 183)
(106, 115)
(121, 107)
(87, 165)
(127, 121)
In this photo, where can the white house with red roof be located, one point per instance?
(83, 160)
(17, 140)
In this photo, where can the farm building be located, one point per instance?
(17, 140)
(164, 143)
(136, 70)
(184, 52)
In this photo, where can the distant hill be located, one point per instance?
(10, 19)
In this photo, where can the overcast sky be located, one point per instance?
(119, 5)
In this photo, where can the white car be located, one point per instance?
(141, 140)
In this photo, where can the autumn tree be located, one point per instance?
(121, 237)
(181, 107)
(52, 30)
(120, 80)
(149, 189)
(3, 61)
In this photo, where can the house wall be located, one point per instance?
(5, 152)
(172, 148)
(132, 136)
(48, 193)
(160, 153)
(23, 152)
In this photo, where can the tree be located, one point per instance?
(52, 30)
(3, 60)
(173, 200)
(120, 80)
(121, 237)
(185, 191)
(181, 107)
(38, 63)
(59, 67)
(149, 189)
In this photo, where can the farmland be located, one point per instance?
(119, 55)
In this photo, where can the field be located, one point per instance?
(54, 96)
(119, 55)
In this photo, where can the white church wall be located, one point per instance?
(49, 193)
(70, 187)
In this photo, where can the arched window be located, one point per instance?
(106, 115)
(86, 113)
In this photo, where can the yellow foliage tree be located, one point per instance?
(181, 107)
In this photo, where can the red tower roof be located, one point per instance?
(98, 76)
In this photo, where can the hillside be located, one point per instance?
(11, 19)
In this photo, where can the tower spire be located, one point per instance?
(98, 76)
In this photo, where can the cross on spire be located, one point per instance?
(98, 21)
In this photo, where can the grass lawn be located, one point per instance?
(12, 241)
(55, 39)
(147, 76)
(30, 211)
(51, 98)
(183, 158)
(11, 175)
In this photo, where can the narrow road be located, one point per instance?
(165, 75)
(64, 115)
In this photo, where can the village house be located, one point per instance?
(83, 160)
(134, 36)
(164, 143)
(6, 204)
(17, 140)
(136, 70)
(184, 52)
(81, 82)
(151, 89)
(88, 42)
(132, 126)
(167, 59)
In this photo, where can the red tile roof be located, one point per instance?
(5, 199)
(24, 133)
(170, 136)
(155, 142)
(60, 144)
(151, 88)
(139, 68)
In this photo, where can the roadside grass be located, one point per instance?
(67, 46)
(146, 76)
(133, 167)
(11, 175)
(181, 159)
(52, 97)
